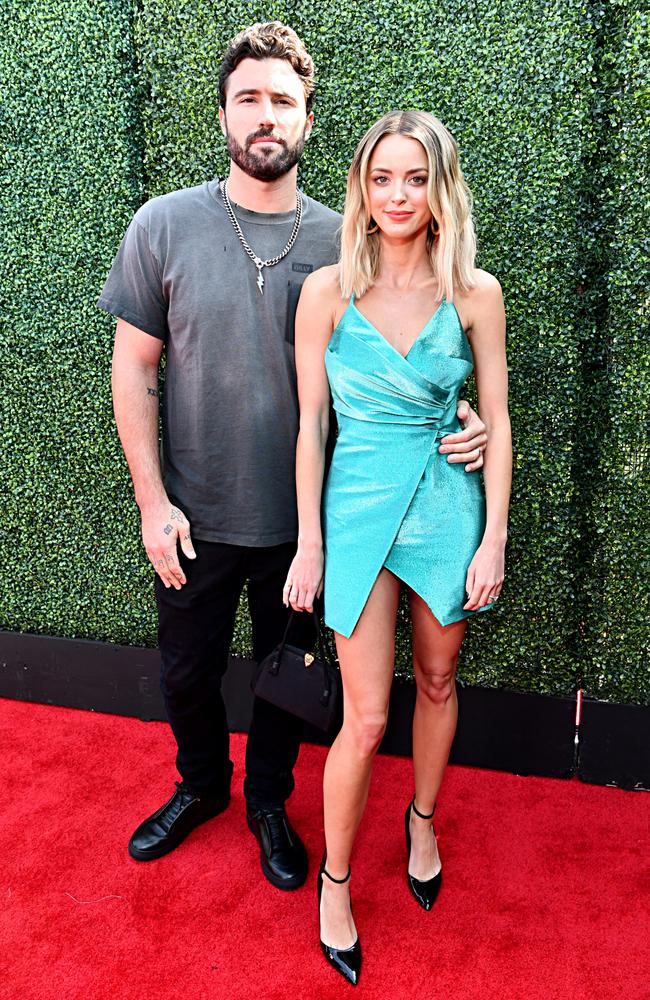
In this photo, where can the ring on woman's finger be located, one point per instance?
(493, 597)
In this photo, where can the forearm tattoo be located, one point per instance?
(152, 392)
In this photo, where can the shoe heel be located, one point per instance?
(425, 893)
(346, 961)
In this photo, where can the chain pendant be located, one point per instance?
(257, 261)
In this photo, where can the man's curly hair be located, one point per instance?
(270, 40)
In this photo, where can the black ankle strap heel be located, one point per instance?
(424, 893)
(337, 881)
(346, 961)
(418, 813)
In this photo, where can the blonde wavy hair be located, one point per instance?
(451, 244)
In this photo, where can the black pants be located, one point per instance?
(195, 628)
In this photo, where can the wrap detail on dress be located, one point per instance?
(390, 498)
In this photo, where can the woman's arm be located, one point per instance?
(488, 341)
(315, 320)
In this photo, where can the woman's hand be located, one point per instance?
(469, 444)
(485, 574)
(305, 578)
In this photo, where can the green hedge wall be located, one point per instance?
(616, 591)
(113, 104)
(73, 151)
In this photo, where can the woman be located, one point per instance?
(394, 330)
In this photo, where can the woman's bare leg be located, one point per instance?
(435, 654)
(366, 660)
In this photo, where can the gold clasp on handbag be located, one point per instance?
(309, 659)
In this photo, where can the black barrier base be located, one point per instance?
(503, 730)
(615, 745)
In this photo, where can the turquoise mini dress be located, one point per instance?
(390, 498)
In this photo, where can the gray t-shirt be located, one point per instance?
(230, 406)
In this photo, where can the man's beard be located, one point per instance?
(265, 166)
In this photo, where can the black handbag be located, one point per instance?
(306, 685)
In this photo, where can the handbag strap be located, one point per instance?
(319, 634)
(327, 689)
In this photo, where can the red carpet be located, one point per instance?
(545, 894)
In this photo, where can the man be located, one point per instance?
(212, 274)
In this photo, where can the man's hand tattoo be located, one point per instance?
(175, 515)
(152, 392)
(168, 529)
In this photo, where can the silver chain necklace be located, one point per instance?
(257, 261)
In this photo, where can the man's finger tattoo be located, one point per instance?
(187, 538)
(152, 392)
(168, 529)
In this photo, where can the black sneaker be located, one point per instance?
(167, 828)
(282, 852)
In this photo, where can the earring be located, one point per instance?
(435, 229)
(374, 228)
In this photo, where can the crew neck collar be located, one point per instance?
(247, 214)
